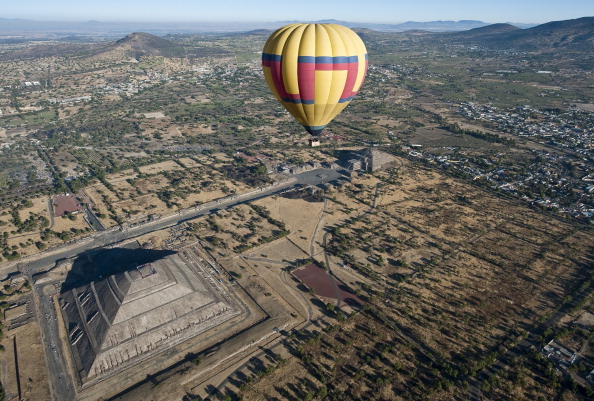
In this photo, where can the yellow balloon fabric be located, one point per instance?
(314, 70)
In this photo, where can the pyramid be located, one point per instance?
(117, 321)
(373, 159)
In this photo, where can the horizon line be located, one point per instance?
(268, 21)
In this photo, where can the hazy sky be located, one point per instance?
(390, 11)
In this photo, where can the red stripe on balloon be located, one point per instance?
(324, 67)
(350, 81)
(330, 66)
(365, 73)
(306, 76)
(334, 67)
(276, 71)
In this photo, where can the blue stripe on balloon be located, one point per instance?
(346, 99)
(297, 101)
(316, 60)
(327, 59)
(271, 57)
(314, 127)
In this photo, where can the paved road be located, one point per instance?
(110, 237)
(60, 382)
(93, 221)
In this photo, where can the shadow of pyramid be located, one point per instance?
(95, 264)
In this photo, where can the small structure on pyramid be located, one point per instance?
(368, 159)
(373, 159)
(118, 321)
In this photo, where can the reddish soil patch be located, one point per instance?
(325, 285)
(66, 204)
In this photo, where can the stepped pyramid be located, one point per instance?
(117, 321)
(367, 159)
(373, 159)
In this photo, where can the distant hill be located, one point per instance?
(486, 31)
(440, 26)
(576, 34)
(430, 26)
(133, 46)
(140, 44)
(255, 32)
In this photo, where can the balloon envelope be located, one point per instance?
(314, 70)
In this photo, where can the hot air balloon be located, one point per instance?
(314, 70)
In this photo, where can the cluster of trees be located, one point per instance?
(34, 221)
(277, 234)
(106, 131)
(18, 173)
(168, 196)
(262, 212)
(261, 371)
(494, 138)
(113, 214)
(253, 175)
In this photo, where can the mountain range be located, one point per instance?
(29, 28)
(575, 34)
(429, 26)
(570, 35)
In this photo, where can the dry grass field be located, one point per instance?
(160, 167)
(40, 207)
(32, 374)
(240, 228)
(454, 277)
(162, 188)
(22, 347)
(301, 217)
(34, 385)
(64, 224)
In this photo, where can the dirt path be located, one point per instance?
(313, 236)
(51, 213)
(301, 299)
